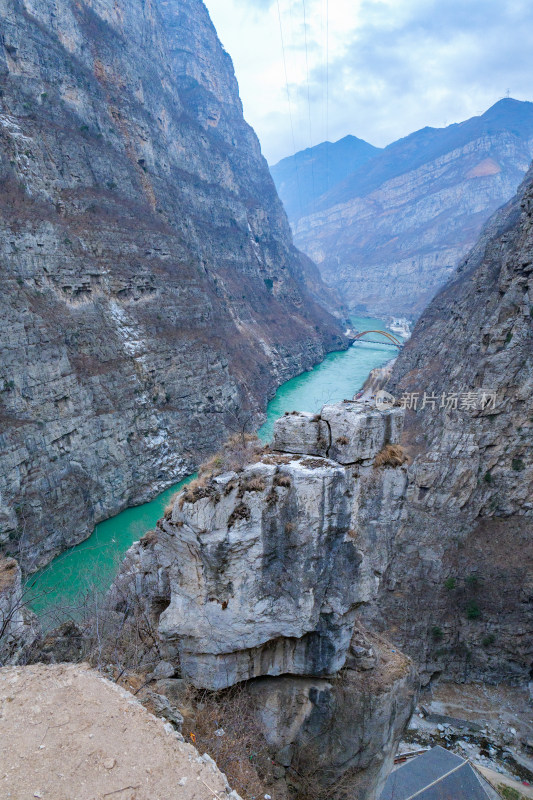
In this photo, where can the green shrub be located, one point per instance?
(488, 640)
(472, 610)
(508, 793)
(437, 632)
(450, 583)
(518, 465)
(487, 477)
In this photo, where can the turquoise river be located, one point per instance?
(73, 579)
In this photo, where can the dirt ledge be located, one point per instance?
(69, 734)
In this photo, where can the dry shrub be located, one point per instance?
(239, 450)
(170, 506)
(149, 538)
(277, 459)
(392, 455)
(255, 483)
(242, 751)
(289, 527)
(196, 490)
(239, 512)
(342, 440)
(281, 480)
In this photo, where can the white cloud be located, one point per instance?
(394, 65)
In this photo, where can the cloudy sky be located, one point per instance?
(378, 69)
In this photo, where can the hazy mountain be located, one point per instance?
(390, 233)
(302, 179)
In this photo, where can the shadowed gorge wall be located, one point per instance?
(458, 591)
(152, 296)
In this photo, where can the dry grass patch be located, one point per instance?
(224, 725)
(196, 490)
(240, 450)
(392, 455)
(282, 480)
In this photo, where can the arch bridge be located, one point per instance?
(392, 340)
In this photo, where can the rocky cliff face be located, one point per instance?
(458, 592)
(152, 297)
(389, 235)
(257, 577)
(18, 628)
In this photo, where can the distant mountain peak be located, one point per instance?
(393, 227)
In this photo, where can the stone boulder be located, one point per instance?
(301, 433)
(358, 432)
(348, 433)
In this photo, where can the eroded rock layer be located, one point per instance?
(151, 294)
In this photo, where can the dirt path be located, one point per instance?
(66, 733)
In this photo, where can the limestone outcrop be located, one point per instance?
(259, 577)
(151, 293)
(348, 433)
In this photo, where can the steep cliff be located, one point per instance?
(392, 232)
(152, 298)
(256, 577)
(458, 592)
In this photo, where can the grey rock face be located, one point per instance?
(263, 576)
(455, 595)
(339, 734)
(358, 433)
(150, 288)
(301, 433)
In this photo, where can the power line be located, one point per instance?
(289, 102)
(327, 95)
(309, 103)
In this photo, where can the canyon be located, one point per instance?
(387, 227)
(291, 601)
(152, 297)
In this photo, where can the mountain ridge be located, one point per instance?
(392, 232)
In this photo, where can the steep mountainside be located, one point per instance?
(152, 298)
(303, 178)
(390, 234)
(458, 592)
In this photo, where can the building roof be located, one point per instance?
(435, 775)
